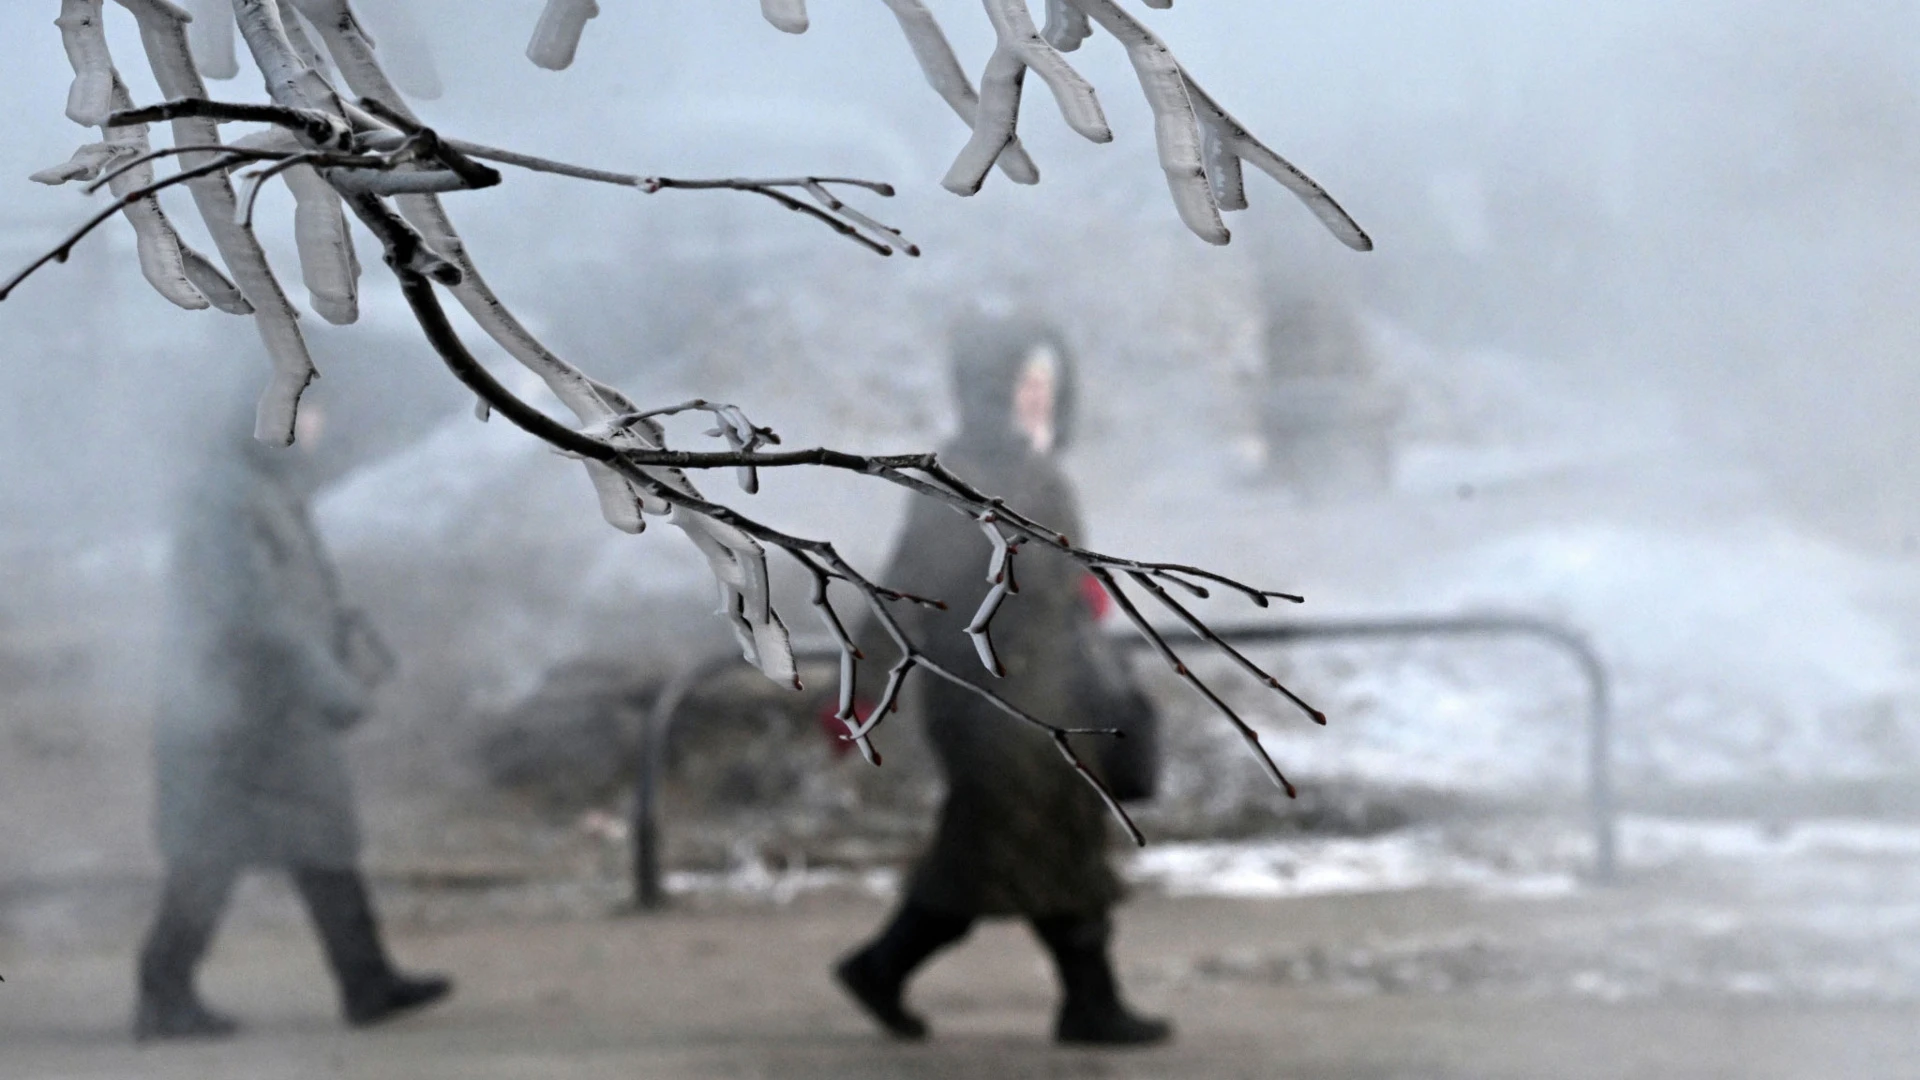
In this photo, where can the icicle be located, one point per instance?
(556, 37)
(1066, 27)
(87, 163)
(163, 33)
(949, 80)
(789, 16)
(328, 264)
(1176, 131)
(90, 98)
(1181, 110)
(1020, 47)
(210, 37)
(1079, 105)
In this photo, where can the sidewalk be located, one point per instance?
(744, 993)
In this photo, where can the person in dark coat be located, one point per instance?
(1020, 833)
(265, 672)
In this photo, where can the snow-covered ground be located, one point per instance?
(1820, 910)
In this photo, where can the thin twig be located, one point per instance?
(1252, 738)
(168, 151)
(61, 250)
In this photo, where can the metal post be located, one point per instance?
(656, 727)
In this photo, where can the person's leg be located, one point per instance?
(191, 902)
(877, 975)
(1090, 1007)
(370, 989)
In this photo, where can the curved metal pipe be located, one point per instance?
(657, 725)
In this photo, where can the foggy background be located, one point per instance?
(1641, 302)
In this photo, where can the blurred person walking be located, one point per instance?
(265, 674)
(1019, 833)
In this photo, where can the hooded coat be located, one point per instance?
(1019, 832)
(257, 687)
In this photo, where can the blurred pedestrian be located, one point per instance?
(265, 673)
(1020, 834)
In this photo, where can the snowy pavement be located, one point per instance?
(743, 993)
(1813, 911)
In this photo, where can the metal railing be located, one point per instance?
(657, 725)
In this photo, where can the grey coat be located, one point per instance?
(258, 685)
(1019, 832)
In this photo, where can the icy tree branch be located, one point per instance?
(361, 149)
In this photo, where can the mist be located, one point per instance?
(1640, 312)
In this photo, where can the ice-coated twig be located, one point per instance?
(303, 46)
(788, 16)
(556, 37)
(1181, 109)
(375, 158)
(84, 35)
(980, 630)
(163, 255)
(421, 298)
(1202, 147)
(210, 36)
(251, 183)
(120, 163)
(60, 251)
(1066, 27)
(832, 204)
(740, 433)
(1079, 105)
(948, 79)
(328, 264)
(858, 227)
(95, 93)
(1176, 132)
(163, 36)
(847, 710)
(88, 162)
(1019, 47)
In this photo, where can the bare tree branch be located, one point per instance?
(374, 157)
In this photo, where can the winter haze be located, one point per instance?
(1634, 355)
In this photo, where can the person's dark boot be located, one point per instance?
(191, 902)
(1091, 1011)
(877, 975)
(393, 996)
(175, 1016)
(371, 991)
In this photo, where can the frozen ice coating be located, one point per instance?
(163, 35)
(1201, 146)
(1013, 25)
(1019, 47)
(327, 260)
(1067, 25)
(556, 37)
(299, 36)
(788, 15)
(1634, 359)
(162, 253)
(210, 36)
(176, 271)
(944, 73)
(592, 404)
(90, 98)
(334, 154)
(1176, 131)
